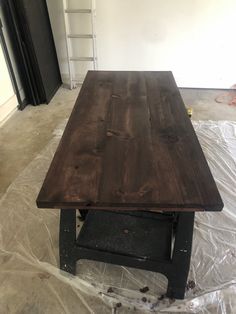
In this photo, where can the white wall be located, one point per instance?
(55, 9)
(10, 51)
(193, 38)
(5, 81)
(8, 101)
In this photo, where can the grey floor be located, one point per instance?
(27, 132)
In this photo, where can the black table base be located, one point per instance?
(146, 240)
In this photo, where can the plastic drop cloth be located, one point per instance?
(30, 281)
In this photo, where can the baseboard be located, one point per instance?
(66, 79)
(7, 109)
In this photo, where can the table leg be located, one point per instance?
(67, 240)
(178, 276)
(176, 271)
(83, 213)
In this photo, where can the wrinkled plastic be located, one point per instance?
(30, 281)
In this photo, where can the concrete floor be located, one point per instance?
(27, 132)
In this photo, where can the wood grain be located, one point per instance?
(129, 144)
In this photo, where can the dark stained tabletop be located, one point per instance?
(129, 144)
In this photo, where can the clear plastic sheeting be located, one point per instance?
(32, 283)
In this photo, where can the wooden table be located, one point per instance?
(129, 155)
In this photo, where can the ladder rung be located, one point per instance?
(78, 10)
(80, 36)
(82, 59)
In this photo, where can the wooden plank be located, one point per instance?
(129, 144)
(76, 168)
(174, 136)
(128, 175)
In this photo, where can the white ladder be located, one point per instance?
(70, 58)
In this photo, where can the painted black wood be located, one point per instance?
(177, 278)
(67, 240)
(134, 239)
(83, 214)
